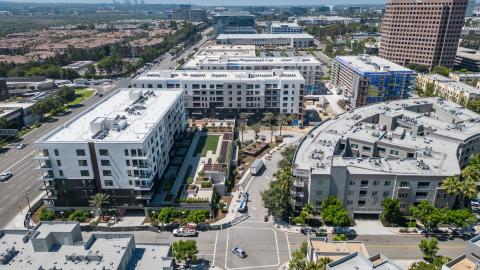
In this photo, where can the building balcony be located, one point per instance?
(41, 156)
(144, 196)
(298, 183)
(404, 187)
(361, 209)
(47, 177)
(48, 186)
(50, 196)
(143, 187)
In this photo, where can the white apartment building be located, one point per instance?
(119, 146)
(401, 149)
(323, 20)
(283, 28)
(226, 93)
(267, 40)
(309, 67)
(447, 88)
(465, 77)
(227, 50)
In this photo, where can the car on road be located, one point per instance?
(239, 252)
(21, 146)
(5, 175)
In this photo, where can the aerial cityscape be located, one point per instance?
(274, 135)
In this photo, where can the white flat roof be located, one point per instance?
(263, 36)
(250, 61)
(224, 75)
(139, 123)
(370, 63)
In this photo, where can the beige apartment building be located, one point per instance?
(422, 32)
(458, 92)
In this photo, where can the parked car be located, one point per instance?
(239, 252)
(185, 232)
(5, 175)
(21, 146)
(345, 231)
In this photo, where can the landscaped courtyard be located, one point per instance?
(205, 144)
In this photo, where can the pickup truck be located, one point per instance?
(185, 232)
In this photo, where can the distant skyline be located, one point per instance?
(223, 2)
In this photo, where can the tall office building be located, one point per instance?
(234, 23)
(422, 32)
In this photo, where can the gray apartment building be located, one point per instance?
(422, 32)
(400, 149)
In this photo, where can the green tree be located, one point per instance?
(91, 71)
(429, 249)
(185, 250)
(3, 122)
(340, 237)
(98, 201)
(451, 185)
(242, 129)
(282, 120)
(391, 210)
(333, 212)
(444, 71)
(269, 117)
(299, 258)
(256, 129)
(276, 201)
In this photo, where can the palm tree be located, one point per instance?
(471, 172)
(451, 185)
(243, 117)
(269, 116)
(256, 129)
(323, 262)
(468, 189)
(242, 129)
(285, 178)
(98, 201)
(292, 117)
(282, 120)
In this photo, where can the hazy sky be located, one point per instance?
(225, 2)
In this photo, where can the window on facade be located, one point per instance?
(84, 173)
(388, 183)
(60, 172)
(108, 183)
(404, 184)
(81, 152)
(402, 195)
(423, 185)
(107, 173)
(105, 162)
(386, 193)
(367, 148)
(126, 152)
(45, 152)
(375, 183)
(361, 203)
(394, 152)
(354, 146)
(55, 151)
(364, 183)
(103, 152)
(59, 163)
(82, 163)
(351, 183)
(381, 149)
(363, 193)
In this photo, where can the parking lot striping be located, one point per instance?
(288, 245)
(215, 248)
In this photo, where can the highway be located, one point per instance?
(26, 178)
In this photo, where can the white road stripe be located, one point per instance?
(288, 245)
(215, 249)
(226, 249)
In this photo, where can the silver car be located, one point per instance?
(239, 252)
(5, 176)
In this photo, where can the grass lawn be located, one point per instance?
(206, 143)
(82, 94)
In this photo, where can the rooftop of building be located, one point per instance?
(435, 152)
(460, 86)
(233, 13)
(335, 250)
(126, 116)
(359, 261)
(215, 76)
(99, 251)
(284, 24)
(468, 53)
(463, 262)
(371, 64)
(263, 36)
(219, 59)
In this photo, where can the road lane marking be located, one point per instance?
(215, 248)
(251, 267)
(288, 245)
(226, 248)
(21, 160)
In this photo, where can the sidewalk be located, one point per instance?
(17, 221)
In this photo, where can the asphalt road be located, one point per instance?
(26, 178)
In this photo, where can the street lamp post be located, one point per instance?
(28, 202)
(289, 221)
